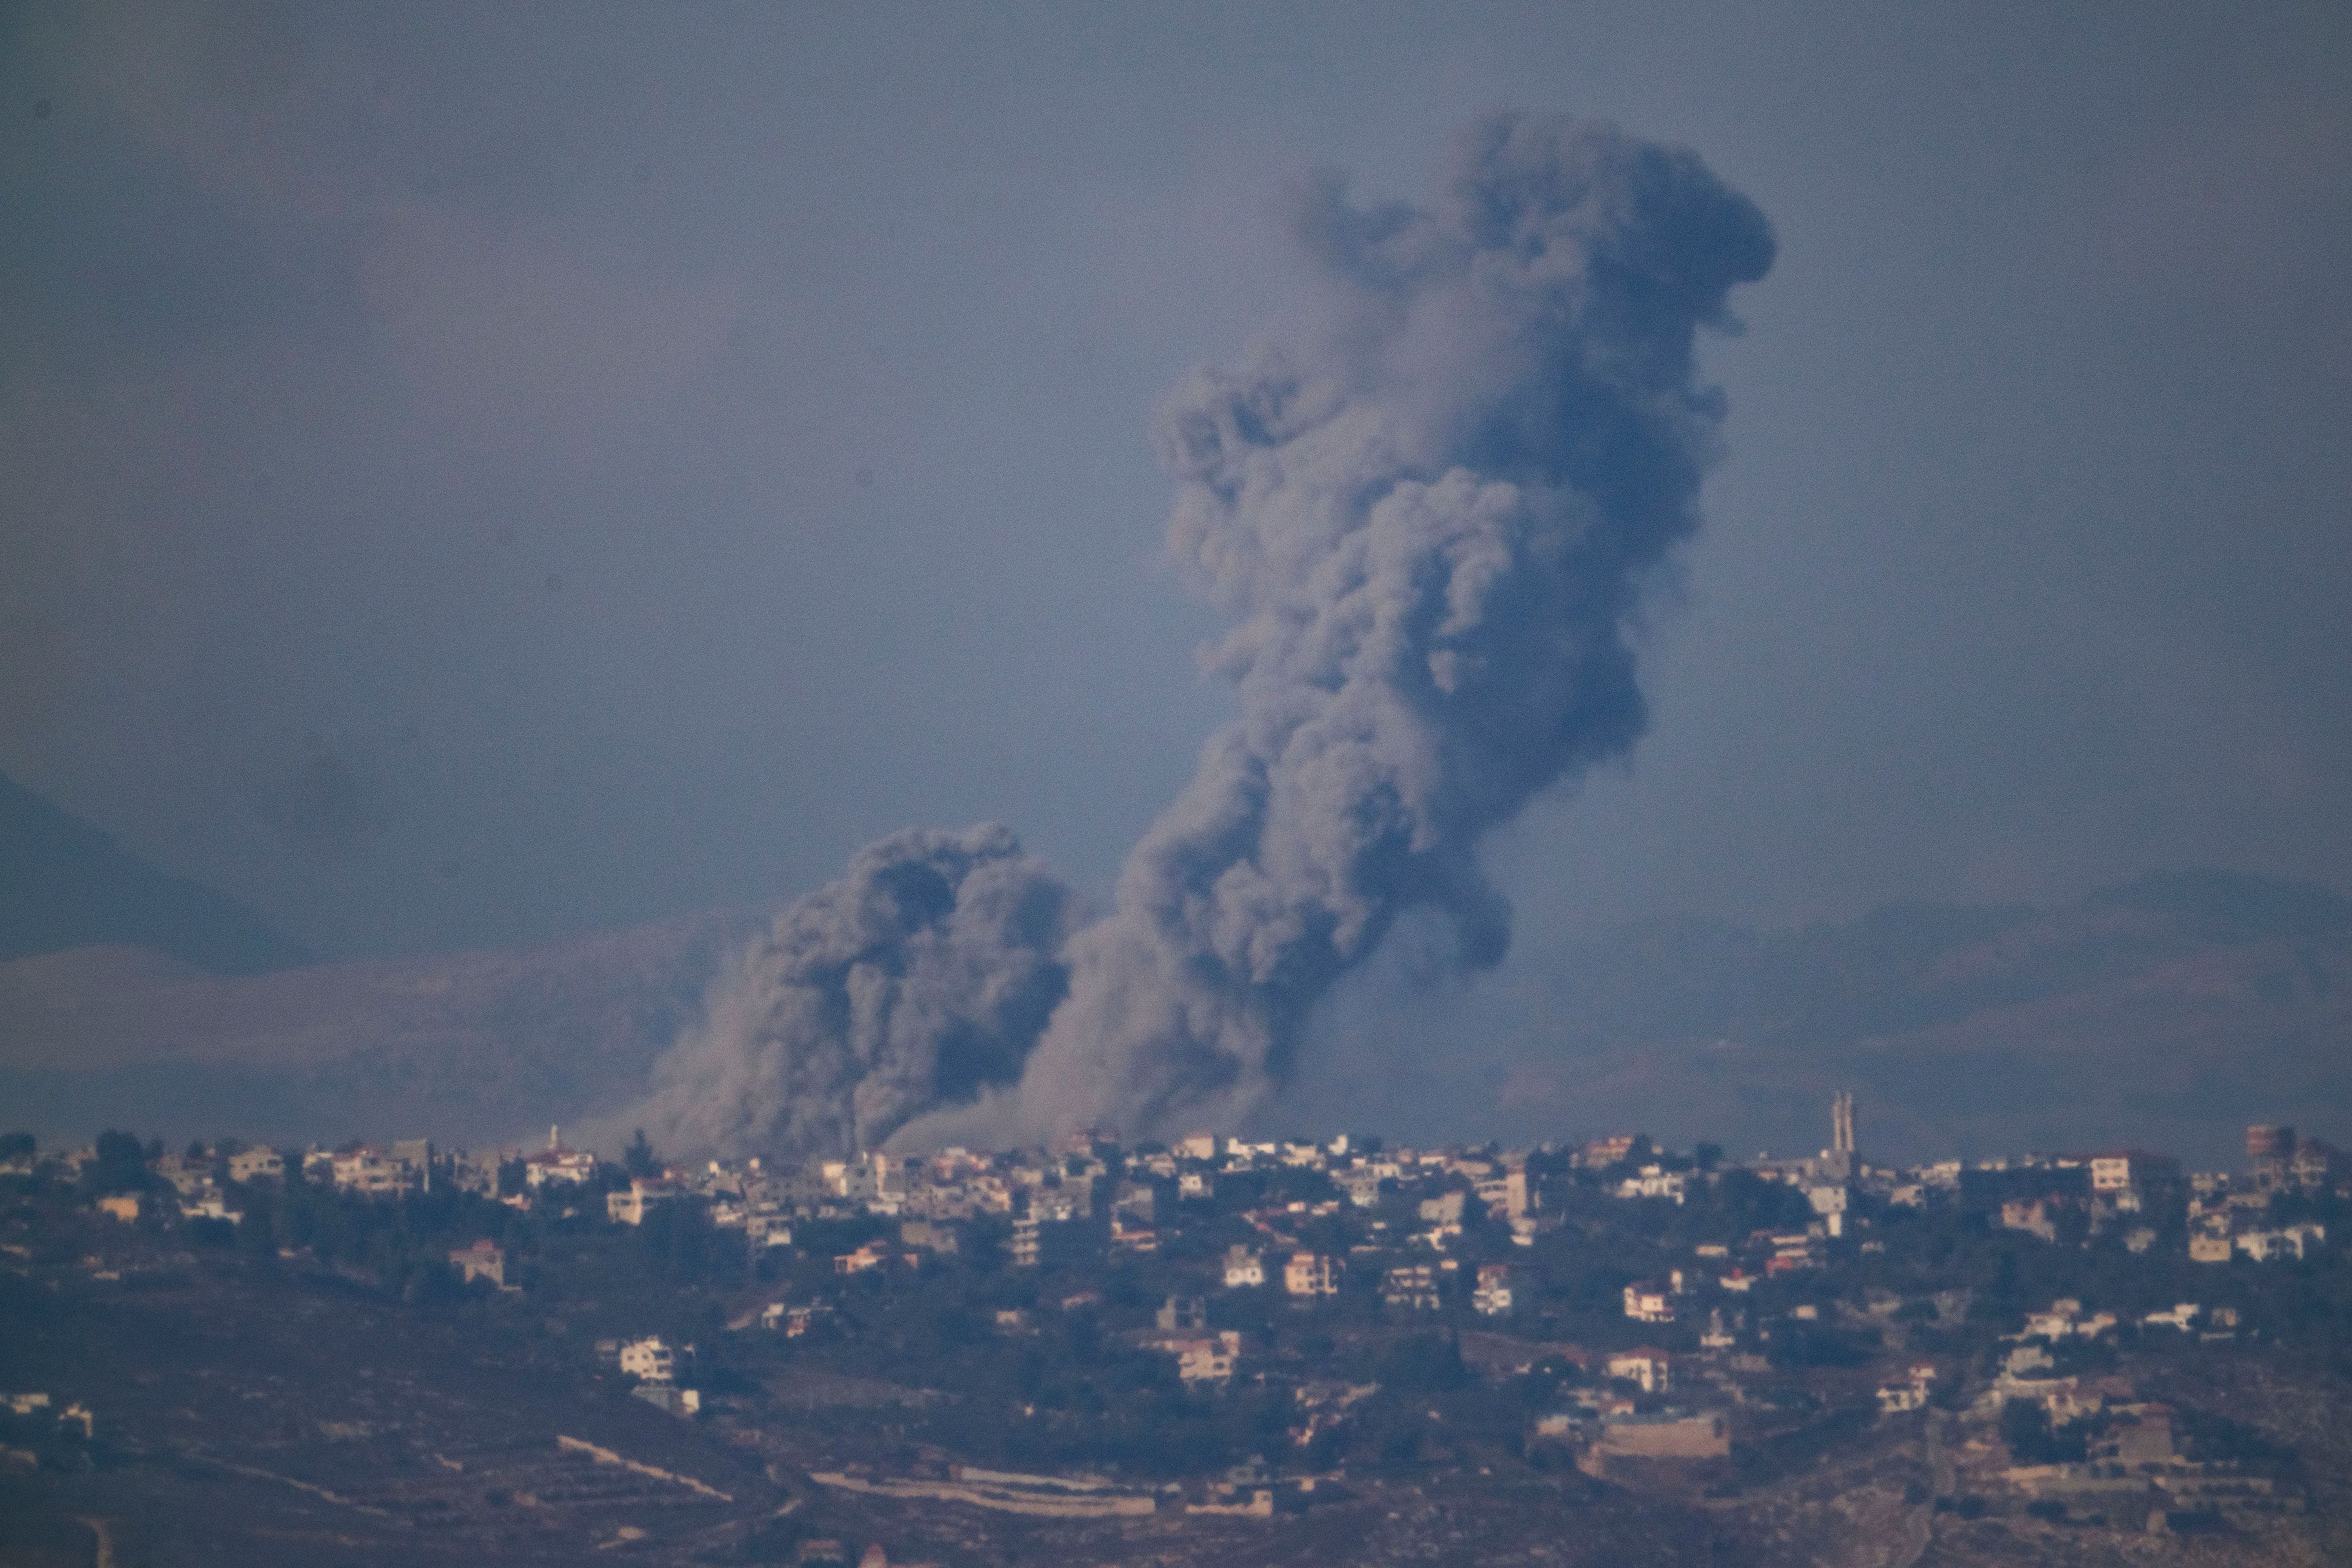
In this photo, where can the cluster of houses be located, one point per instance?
(1408, 1215)
(2132, 1460)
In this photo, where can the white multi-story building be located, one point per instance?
(1310, 1274)
(260, 1164)
(649, 1359)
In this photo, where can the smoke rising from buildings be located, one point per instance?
(1433, 519)
(1433, 523)
(920, 978)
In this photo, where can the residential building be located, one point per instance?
(259, 1164)
(1210, 1359)
(650, 1359)
(1647, 1366)
(1244, 1268)
(2317, 1166)
(1649, 1303)
(1413, 1285)
(1492, 1297)
(1602, 1153)
(484, 1260)
(2293, 1241)
(2131, 1170)
(873, 1255)
(1310, 1274)
(368, 1173)
(2035, 1217)
(211, 1205)
(640, 1197)
(1517, 1200)
(1894, 1398)
(1444, 1209)
(415, 1156)
(556, 1163)
(1654, 1182)
(2270, 1153)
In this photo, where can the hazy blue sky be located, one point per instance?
(467, 475)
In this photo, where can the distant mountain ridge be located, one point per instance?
(65, 884)
(477, 1047)
(2171, 1010)
(1905, 967)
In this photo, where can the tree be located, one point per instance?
(639, 1158)
(121, 1165)
(2025, 1427)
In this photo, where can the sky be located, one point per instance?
(473, 475)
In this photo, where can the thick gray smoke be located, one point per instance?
(920, 979)
(1434, 524)
(1434, 521)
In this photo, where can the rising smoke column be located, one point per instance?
(1433, 523)
(922, 977)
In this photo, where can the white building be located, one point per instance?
(1310, 1274)
(1492, 1296)
(649, 1359)
(368, 1173)
(261, 1164)
(1244, 1268)
(1651, 1182)
(631, 1205)
(1208, 1360)
(2293, 1241)
(557, 1163)
(1647, 1367)
(1646, 1303)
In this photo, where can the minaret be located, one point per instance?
(1838, 1162)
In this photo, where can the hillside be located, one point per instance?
(472, 1047)
(65, 884)
(2169, 1010)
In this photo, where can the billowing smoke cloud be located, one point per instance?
(1434, 524)
(921, 978)
(1432, 521)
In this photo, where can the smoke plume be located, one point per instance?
(1432, 522)
(921, 978)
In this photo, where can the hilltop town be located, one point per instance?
(1215, 1349)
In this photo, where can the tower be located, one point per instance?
(1838, 1161)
